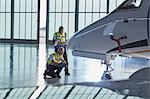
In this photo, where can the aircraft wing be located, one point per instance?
(89, 54)
(138, 84)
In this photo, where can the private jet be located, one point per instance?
(123, 32)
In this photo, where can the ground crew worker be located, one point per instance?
(59, 40)
(55, 62)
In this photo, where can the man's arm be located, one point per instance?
(53, 63)
(65, 37)
(63, 60)
(54, 38)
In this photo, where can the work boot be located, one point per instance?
(53, 76)
(58, 76)
(67, 71)
(44, 75)
(50, 74)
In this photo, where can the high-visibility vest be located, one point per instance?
(55, 57)
(60, 37)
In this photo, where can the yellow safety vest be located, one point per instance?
(56, 58)
(60, 37)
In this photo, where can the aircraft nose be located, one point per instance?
(72, 43)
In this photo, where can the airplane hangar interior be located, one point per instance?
(74, 49)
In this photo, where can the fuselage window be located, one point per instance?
(130, 4)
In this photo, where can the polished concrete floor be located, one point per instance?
(23, 65)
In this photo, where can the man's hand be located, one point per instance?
(63, 61)
(53, 63)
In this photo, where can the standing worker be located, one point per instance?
(59, 40)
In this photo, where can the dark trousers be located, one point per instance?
(51, 70)
(65, 56)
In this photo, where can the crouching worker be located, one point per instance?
(55, 63)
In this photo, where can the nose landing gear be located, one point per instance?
(107, 73)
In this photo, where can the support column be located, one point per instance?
(38, 23)
(107, 6)
(12, 20)
(76, 15)
(47, 22)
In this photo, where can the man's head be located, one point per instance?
(60, 50)
(61, 29)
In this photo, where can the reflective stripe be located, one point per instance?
(60, 37)
(55, 57)
(61, 42)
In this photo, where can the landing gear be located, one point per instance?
(107, 73)
(108, 66)
(106, 76)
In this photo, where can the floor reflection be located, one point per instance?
(24, 65)
(18, 65)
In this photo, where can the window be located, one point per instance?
(91, 11)
(61, 12)
(5, 19)
(25, 19)
(131, 4)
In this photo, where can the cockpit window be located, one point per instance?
(130, 4)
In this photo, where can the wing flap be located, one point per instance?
(89, 54)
